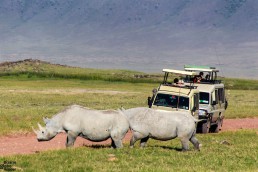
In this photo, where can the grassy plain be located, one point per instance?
(238, 153)
(29, 92)
(24, 102)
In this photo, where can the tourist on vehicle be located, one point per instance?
(175, 81)
(199, 77)
(207, 77)
(178, 82)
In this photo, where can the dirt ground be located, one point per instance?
(28, 144)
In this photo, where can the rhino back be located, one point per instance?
(93, 124)
(162, 125)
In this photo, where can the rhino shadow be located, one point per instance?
(97, 146)
(168, 148)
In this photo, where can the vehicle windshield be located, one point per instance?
(204, 98)
(172, 101)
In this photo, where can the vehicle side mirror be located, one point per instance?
(149, 102)
(214, 103)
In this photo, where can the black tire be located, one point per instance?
(217, 127)
(221, 122)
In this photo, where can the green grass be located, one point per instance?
(35, 69)
(24, 102)
(39, 69)
(242, 103)
(240, 84)
(30, 91)
(239, 155)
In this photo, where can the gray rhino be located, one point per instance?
(94, 125)
(148, 123)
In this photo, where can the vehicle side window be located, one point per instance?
(213, 96)
(204, 98)
(221, 95)
(217, 96)
(196, 101)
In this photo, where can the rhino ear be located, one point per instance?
(46, 120)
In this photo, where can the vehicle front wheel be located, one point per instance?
(206, 127)
(217, 127)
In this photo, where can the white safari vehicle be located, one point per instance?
(213, 102)
(174, 95)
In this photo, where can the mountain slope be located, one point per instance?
(145, 35)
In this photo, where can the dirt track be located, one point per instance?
(28, 144)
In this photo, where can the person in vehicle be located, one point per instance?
(175, 81)
(199, 77)
(207, 77)
(178, 82)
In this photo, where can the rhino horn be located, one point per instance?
(40, 127)
(36, 132)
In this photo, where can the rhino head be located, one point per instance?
(46, 133)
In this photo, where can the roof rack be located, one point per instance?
(181, 72)
(200, 68)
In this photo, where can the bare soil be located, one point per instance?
(28, 144)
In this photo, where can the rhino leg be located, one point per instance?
(144, 141)
(137, 136)
(113, 145)
(195, 142)
(116, 144)
(132, 141)
(185, 144)
(71, 137)
(117, 139)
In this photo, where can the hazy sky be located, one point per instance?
(138, 35)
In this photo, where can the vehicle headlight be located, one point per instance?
(202, 112)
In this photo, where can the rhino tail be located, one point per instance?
(122, 112)
(121, 109)
(198, 120)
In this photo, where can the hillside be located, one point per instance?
(139, 35)
(37, 69)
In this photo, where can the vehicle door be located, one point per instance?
(221, 96)
(215, 105)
